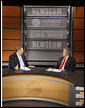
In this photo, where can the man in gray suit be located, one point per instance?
(66, 63)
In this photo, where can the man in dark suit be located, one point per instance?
(18, 60)
(66, 63)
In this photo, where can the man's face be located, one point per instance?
(21, 51)
(65, 53)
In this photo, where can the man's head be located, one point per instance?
(19, 50)
(66, 52)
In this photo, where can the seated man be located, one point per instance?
(18, 60)
(66, 63)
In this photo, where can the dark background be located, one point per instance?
(43, 2)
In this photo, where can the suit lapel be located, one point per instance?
(60, 61)
(17, 59)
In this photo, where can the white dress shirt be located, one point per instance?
(65, 62)
(21, 61)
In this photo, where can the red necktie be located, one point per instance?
(62, 63)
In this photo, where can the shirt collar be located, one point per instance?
(67, 56)
(17, 54)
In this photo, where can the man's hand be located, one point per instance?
(30, 66)
(16, 68)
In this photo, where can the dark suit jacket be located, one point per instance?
(13, 61)
(70, 64)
